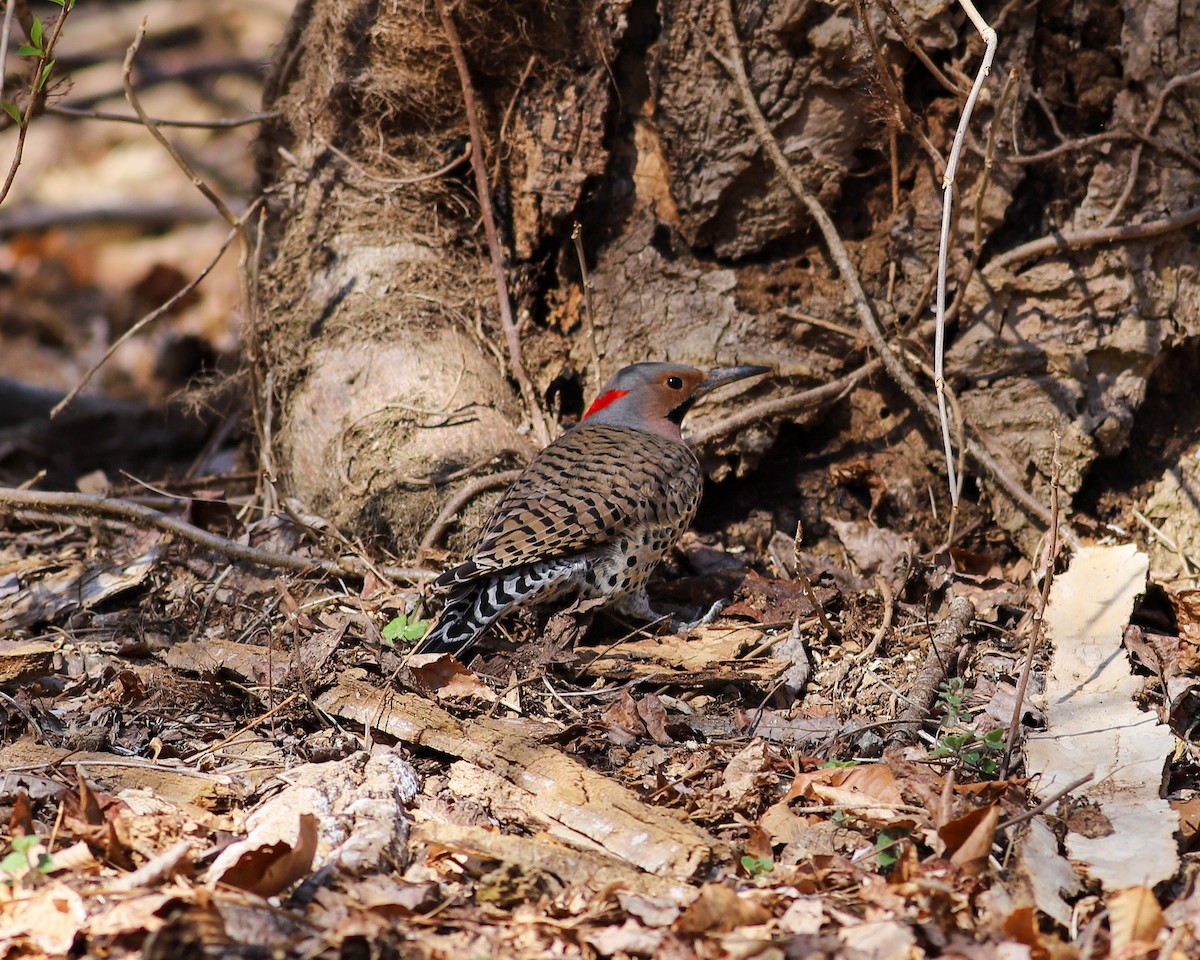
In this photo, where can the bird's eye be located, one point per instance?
(675, 383)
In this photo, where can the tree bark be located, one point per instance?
(378, 332)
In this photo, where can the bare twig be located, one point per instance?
(9, 7)
(888, 600)
(464, 496)
(947, 635)
(402, 181)
(1067, 146)
(479, 163)
(830, 632)
(588, 316)
(1151, 122)
(223, 123)
(242, 729)
(1047, 803)
(917, 50)
(1039, 614)
(939, 349)
(913, 126)
(89, 504)
(33, 218)
(777, 406)
(148, 122)
(1079, 239)
(985, 180)
(149, 318)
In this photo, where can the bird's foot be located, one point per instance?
(637, 606)
(687, 626)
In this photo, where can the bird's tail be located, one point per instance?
(474, 606)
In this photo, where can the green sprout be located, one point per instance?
(401, 628)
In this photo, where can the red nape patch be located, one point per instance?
(603, 401)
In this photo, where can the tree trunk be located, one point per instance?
(378, 330)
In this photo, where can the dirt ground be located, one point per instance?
(893, 741)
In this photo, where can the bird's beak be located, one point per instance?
(723, 375)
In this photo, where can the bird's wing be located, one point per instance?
(583, 490)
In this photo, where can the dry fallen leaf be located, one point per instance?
(1135, 918)
(719, 909)
(969, 839)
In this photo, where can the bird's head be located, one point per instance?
(654, 397)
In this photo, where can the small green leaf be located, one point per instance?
(15, 863)
(12, 111)
(400, 628)
(25, 843)
(757, 866)
(35, 32)
(46, 70)
(25, 50)
(45, 863)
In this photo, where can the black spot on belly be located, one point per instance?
(612, 581)
(631, 561)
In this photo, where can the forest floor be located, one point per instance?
(202, 755)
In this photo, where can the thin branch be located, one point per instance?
(35, 218)
(1066, 146)
(9, 7)
(464, 496)
(36, 93)
(939, 349)
(916, 49)
(90, 504)
(777, 406)
(1039, 615)
(1079, 239)
(479, 163)
(980, 195)
(1151, 122)
(908, 120)
(588, 314)
(150, 124)
(401, 181)
(150, 317)
(223, 123)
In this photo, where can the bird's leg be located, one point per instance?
(637, 606)
(686, 626)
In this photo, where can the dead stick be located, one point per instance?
(86, 503)
(776, 406)
(479, 164)
(1079, 239)
(947, 635)
(461, 499)
(1045, 804)
(150, 317)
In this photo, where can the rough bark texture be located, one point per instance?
(378, 319)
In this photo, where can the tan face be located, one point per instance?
(675, 390)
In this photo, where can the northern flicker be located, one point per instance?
(593, 513)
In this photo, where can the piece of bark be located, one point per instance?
(581, 800)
